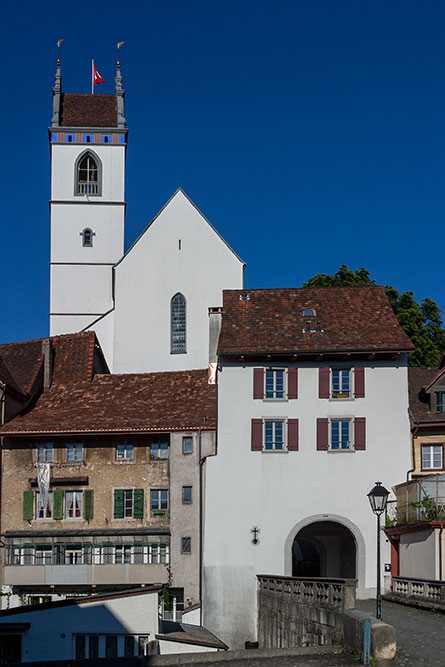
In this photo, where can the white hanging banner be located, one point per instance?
(43, 477)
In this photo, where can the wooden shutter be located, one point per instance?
(323, 434)
(28, 505)
(292, 435)
(292, 383)
(359, 382)
(360, 433)
(257, 435)
(258, 382)
(118, 503)
(57, 504)
(88, 504)
(138, 503)
(324, 377)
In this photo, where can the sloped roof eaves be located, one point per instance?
(351, 319)
(159, 213)
(137, 403)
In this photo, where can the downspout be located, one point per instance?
(413, 459)
(440, 552)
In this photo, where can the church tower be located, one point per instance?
(88, 140)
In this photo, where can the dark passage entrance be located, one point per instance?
(324, 549)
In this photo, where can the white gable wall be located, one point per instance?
(153, 271)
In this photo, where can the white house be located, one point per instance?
(312, 410)
(149, 307)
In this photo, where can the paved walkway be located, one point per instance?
(420, 634)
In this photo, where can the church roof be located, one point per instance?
(344, 319)
(170, 401)
(84, 110)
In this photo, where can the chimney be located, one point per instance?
(47, 362)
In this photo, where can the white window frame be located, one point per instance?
(335, 394)
(159, 507)
(38, 507)
(78, 551)
(441, 391)
(47, 551)
(128, 503)
(274, 371)
(431, 447)
(350, 421)
(76, 495)
(275, 421)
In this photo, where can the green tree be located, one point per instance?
(421, 321)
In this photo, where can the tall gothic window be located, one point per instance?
(178, 324)
(88, 175)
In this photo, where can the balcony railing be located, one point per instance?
(421, 499)
(88, 188)
(87, 554)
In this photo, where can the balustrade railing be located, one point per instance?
(421, 589)
(334, 593)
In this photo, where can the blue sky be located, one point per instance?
(311, 133)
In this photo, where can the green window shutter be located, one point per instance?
(88, 504)
(118, 504)
(57, 504)
(28, 505)
(138, 503)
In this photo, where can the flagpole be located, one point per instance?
(92, 77)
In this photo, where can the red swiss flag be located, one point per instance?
(96, 76)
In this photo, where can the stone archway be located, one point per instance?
(324, 549)
(345, 535)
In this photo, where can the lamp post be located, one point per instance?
(378, 497)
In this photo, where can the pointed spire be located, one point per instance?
(120, 96)
(57, 91)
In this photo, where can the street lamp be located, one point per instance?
(378, 497)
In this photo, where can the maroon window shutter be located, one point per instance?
(324, 376)
(292, 383)
(359, 382)
(322, 434)
(292, 435)
(258, 382)
(257, 435)
(360, 433)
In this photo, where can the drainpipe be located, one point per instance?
(440, 552)
(411, 470)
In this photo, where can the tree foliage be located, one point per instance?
(421, 321)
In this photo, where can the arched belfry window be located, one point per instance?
(88, 174)
(87, 238)
(178, 325)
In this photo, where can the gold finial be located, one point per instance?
(119, 44)
(59, 42)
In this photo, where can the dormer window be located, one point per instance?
(88, 175)
(440, 401)
(308, 312)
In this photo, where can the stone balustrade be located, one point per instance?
(419, 589)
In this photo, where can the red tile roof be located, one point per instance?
(84, 110)
(418, 379)
(23, 361)
(180, 400)
(271, 321)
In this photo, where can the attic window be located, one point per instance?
(308, 312)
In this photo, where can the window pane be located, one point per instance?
(187, 445)
(128, 646)
(178, 324)
(186, 545)
(187, 494)
(111, 647)
(164, 499)
(93, 646)
(80, 647)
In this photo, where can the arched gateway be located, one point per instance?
(325, 546)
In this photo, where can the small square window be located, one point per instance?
(45, 452)
(74, 451)
(432, 457)
(187, 445)
(124, 452)
(186, 545)
(186, 494)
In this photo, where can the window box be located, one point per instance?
(343, 394)
(158, 512)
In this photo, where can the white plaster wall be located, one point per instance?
(43, 641)
(418, 554)
(63, 160)
(62, 324)
(168, 648)
(282, 492)
(153, 271)
(81, 289)
(69, 220)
